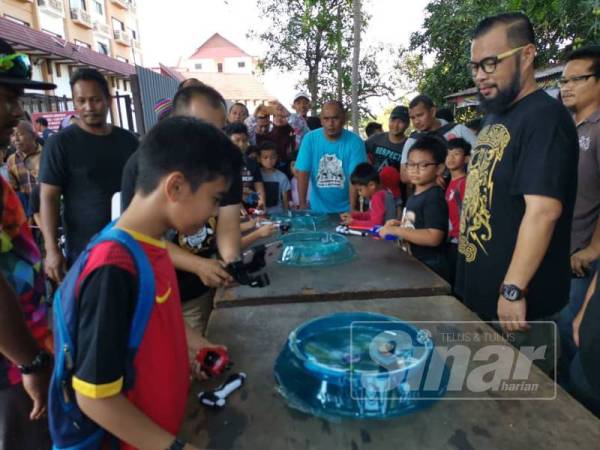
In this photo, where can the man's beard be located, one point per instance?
(504, 98)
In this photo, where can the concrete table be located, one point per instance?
(257, 417)
(381, 270)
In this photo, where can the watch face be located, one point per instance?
(511, 292)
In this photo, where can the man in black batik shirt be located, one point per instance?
(515, 227)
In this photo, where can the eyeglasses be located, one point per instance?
(488, 65)
(15, 65)
(420, 166)
(562, 82)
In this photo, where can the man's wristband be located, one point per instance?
(42, 360)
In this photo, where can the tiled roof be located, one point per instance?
(233, 86)
(27, 39)
(216, 47)
(168, 72)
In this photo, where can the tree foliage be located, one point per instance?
(560, 25)
(315, 38)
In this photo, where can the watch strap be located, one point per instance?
(177, 444)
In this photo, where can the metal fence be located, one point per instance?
(148, 87)
(122, 112)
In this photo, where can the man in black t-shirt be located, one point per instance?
(385, 149)
(198, 271)
(515, 227)
(83, 163)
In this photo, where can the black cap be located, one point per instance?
(400, 112)
(19, 74)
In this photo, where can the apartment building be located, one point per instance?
(65, 34)
(225, 66)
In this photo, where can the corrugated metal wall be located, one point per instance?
(149, 87)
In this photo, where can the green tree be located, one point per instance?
(560, 25)
(315, 38)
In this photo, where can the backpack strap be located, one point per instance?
(441, 131)
(145, 297)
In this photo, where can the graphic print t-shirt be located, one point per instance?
(530, 149)
(383, 152)
(423, 211)
(330, 165)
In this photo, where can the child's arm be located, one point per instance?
(259, 186)
(285, 199)
(375, 215)
(263, 232)
(124, 420)
(426, 237)
(286, 189)
(248, 225)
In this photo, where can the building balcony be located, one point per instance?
(101, 28)
(137, 45)
(81, 17)
(133, 6)
(51, 7)
(122, 37)
(124, 4)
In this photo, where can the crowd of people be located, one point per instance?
(504, 208)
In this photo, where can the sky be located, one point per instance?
(170, 32)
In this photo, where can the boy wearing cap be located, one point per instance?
(297, 120)
(24, 364)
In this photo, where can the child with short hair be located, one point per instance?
(425, 221)
(382, 206)
(252, 182)
(456, 161)
(277, 185)
(185, 167)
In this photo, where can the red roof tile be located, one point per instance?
(22, 36)
(234, 86)
(216, 47)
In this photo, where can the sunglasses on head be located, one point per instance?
(15, 65)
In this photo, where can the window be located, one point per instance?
(79, 43)
(220, 67)
(52, 33)
(57, 66)
(133, 33)
(198, 66)
(117, 25)
(241, 64)
(102, 48)
(15, 20)
(77, 4)
(99, 8)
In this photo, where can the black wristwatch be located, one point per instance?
(512, 293)
(177, 444)
(42, 361)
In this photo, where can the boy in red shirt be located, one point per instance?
(456, 162)
(185, 167)
(382, 206)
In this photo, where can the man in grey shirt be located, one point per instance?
(422, 113)
(580, 92)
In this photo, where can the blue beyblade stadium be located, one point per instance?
(317, 248)
(361, 366)
(302, 220)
